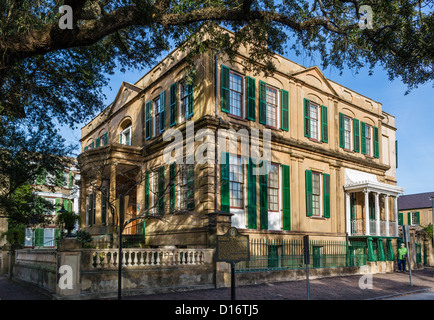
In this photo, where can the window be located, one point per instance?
(236, 179)
(90, 209)
(273, 188)
(414, 218)
(186, 101)
(48, 237)
(28, 238)
(125, 136)
(236, 94)
(316, 194)
(157, 108)
(368, 139)
(186, 187)
(271, 107)
(314, 121)
(347, 132)
(101, 140)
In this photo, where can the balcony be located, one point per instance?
(358, 228)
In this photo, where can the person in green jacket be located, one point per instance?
(402, 257)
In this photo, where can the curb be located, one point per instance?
(401, 294)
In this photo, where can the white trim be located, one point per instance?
(54, 195)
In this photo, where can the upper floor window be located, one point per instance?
(125, 136)
(236, 94)
(273, 188)
(347, 132)
(315, 121)
(101, 140)
(272, 108)
(186, 99)
(368, 140)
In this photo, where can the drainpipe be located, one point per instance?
(218, 127)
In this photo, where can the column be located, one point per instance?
(386, 210)
(112, 191)
(98, 221)
(83, 213)
(367, 231)
(348, 212)
(377, 213)
(395, 208)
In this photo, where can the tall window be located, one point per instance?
(271, 107)
(158, 110)
(314, 121)
(316, 194)
(347, 132)
(236, 94)
(236, 180)
(368, 139)
(125, 136)
(186, 186)
(186, 90)
(273, 188)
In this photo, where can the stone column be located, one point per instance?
(98, 221)
(83, 213)
(348, 213)
(68, 268)
(386, 210)
(395, 208)
(367, 231)
(377, 213)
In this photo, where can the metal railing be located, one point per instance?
(269, 254)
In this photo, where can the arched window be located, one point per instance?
(126, 132)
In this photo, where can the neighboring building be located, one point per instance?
(416, 209)
(61, 188)
(332, 172)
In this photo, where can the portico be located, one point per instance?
(371, 207)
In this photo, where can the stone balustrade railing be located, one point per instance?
(41, 256)
(109, 259)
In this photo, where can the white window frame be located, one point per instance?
(413, 219)
(370, 129)
(48, 237)
(277, 106)
(239, 219)
(122, 134)
(275, 217)
(321, 195)
(350, 122)
(318, 121)
(156, 106)
(243, 94)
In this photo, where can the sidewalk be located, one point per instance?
(334, 288)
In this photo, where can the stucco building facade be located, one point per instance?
(332, 172)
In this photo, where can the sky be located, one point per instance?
(414, 117)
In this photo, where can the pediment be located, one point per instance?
(127, 91)
(314, 77)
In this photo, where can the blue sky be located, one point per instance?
(414, 114)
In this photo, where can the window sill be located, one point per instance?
(316, 141)
(237, 117)
(318, 218)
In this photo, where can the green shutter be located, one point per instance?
(56, 236)
(308, 193)
(418, 218)
(60, 178)
(409, 218)
(172, 174)
(400, 219)
(97, 142)
(225, 184)
(341, 130)
(376, 145)
(324, 125)
(284, 106)
(263, 198)
(173, 104)
(286, 197)
(225, 89)
(363, 137)
(190, 106)
(39, 237)
(58, 206)
(92, 145)
(161, 186)
(40, 178)
(163, 111)
(190, 187)
(148, 120)
(147, 190)
(356, 135)
(70, 180)
(251, 99)
(326, 185)
(103, 207)
(252, 220)
(65, 204)
(306, 107)
(262, 102)
(105, 138)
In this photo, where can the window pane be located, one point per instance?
(271, 107)
(316, 190)
(273, 188)
(236, 94)
(236, 181)
(313, 121)
(347, 127)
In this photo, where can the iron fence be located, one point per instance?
(276, 254)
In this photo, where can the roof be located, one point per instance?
(415, 201)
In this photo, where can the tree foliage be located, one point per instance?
(63, 71)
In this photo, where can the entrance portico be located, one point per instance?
(368, 221)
